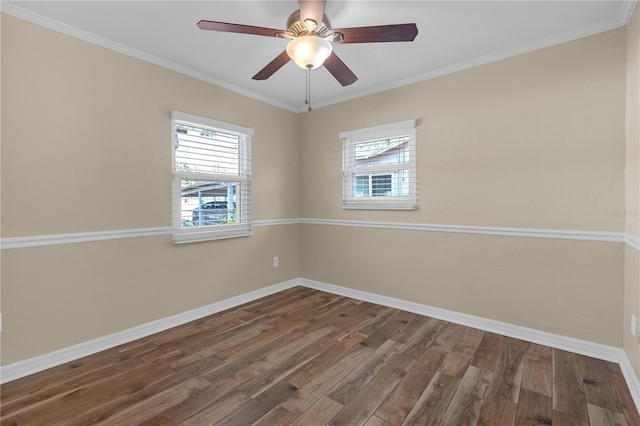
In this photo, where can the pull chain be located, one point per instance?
(307, 101)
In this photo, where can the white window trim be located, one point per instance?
(349, 139)
(188, 235)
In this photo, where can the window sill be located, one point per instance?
(182, 236)
(360, 204)
(377, 208)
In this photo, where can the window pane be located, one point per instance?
(360, 185)
(207, 203)
(381, 186)
(401, 186)
(206, 151)
(384, 151)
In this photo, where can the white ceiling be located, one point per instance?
(452, 35)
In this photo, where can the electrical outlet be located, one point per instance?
(275, 261)
(633, 325)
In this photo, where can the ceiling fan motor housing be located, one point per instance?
(297, 28)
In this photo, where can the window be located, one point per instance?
(379, 167)
(211, 165)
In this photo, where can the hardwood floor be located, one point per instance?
(304, 357)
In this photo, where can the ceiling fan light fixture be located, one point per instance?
(309, 52)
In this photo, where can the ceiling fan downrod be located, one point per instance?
(307, 101)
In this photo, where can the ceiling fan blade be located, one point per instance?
(339, 70)
(378, 34)
(237, 28)
(312, 9)
(272, 66)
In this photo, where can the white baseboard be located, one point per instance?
(583, 347)
(33, 365)
(631, 379)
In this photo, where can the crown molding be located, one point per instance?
(626, 11)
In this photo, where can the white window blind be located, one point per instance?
(211, 166)
(379, 167)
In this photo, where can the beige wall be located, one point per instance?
(86, 145)
(534, 141)
(632, 189)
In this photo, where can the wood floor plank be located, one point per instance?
(272, 358)
(314, 387)
(365, 403)
(158, 403)
(377, 421)
(259, 406)
(276, 299)
(398, 404)
(44, 393)
(351, 384)
(362, 315)
(448, 337)
(538, 368)
(507, 377)
(423, 338)
(393, 327)
(455, 365)
(202, 399)
(562, 419)
(100, 394)
(324, 361)
(497, 411)
(469, 342)
(414, 323)
(218, 410)
(334, 305)
(599, 416)
(268, 378)
(598, 389)
(385, 315)
(323, 299)
(231, 367)
(434, 401)
(226, 339)
(306, 357)
(626, 401)
(568, 392)
(288, 307)
(488, 352)
(69, 375)
(467, 401)
(319, 413)
(279, 329)
(278, 416)
(534, 409)
(288, 304)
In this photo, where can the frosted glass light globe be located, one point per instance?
(309, 52)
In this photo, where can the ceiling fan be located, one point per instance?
(311, 38)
